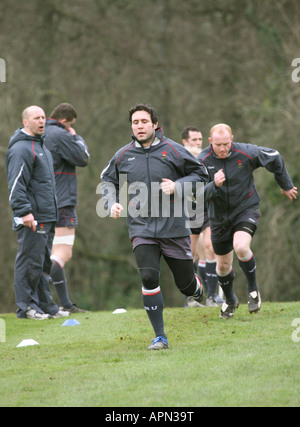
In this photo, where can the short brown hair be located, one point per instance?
(144, 107)
(64, 111)
(186, 131)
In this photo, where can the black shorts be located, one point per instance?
(67, 217)
(222, 237)
(179, 248)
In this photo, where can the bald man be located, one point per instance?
(234, 204)
(31, 187)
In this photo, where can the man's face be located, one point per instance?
(194, 140)
(221, 143)
(142, 128)
(35, 121)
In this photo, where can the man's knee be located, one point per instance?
(63, 251)
(241, 243)
(150, 278)
(188, 286)
(224, 265)
(241, 248)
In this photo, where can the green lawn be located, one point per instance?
(104, 361)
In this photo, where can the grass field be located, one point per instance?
(104, 361)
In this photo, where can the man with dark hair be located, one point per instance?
(233, 207)
(32, 198)
(191, 136)
(203, 253)
(68, 151)
(156, 169)
(144, 107)
(64, 112)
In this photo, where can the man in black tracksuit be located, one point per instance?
(233, 206)
(69, 150)
(156, 169)
(32, 198)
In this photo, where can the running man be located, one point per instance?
(233, 207)
(149, 159)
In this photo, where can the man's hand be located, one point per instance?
(290, 194)
(168, 186)
(71, 130)
(28, 221)
(219, 178)
(116, 210)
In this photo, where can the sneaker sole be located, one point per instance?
(156, 348)
(38, 318)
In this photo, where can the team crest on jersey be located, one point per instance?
(164, 153)
(41, 229)
(240, 163)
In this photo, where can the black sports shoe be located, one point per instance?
(254, 302)
(228, 310)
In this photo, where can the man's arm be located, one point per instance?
(110, 189)
(19, 166)
(72, 148)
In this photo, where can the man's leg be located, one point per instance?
(210, 270)
(200, 257)
(29, 268)
(61, 254)
(184, 275)
(241, 243)
(224, 257)
(45, 296)
(197, 248)
(225, 276)
(177, 253)
(148, 262)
